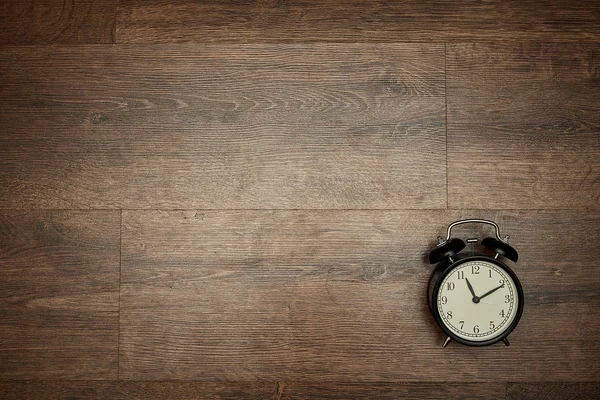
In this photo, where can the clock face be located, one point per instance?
(477, 301)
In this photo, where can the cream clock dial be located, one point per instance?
(477, 301)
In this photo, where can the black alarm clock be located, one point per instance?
(475, 298)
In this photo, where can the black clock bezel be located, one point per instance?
(434, 287)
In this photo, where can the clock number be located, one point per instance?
(444, 300)
(462, 323)
(461, 274)
(451, 286)
(502, 314)
(490, 271)
(492, 326)
(507, 298)
(474, 269)
(476, 329)
(449, 314)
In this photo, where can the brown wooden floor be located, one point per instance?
(235, 199)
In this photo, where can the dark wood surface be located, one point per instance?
(184, 390)
(299, 295)
(128, 390)
(211, 199)
(389, 391)
(57, 21)
(245, 126)
(160, 21)
(553, 390)
(59, 294)
(152, 21)
(523, 126)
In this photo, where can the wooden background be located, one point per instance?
(214, 199)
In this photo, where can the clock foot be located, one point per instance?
(505, 341)
(447, 341)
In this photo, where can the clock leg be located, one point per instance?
(505, 341)
(447, 341)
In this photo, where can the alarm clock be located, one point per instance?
(475, 298)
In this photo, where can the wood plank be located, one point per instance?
(59, 290)
(155, 21)
(553, 390)
(57, 21)
(340, 296)
(173, 390)
(180, 390)
(382, 391)
(256, 126)
(176, 390)
(523, 124)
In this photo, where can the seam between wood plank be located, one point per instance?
(33, 210)
(120, 268)
(446, 116)
(113, 32)
(129, 45)
(115, 21)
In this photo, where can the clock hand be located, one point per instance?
(491, 291)
(470, 288)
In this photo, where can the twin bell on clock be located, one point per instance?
(475, 298)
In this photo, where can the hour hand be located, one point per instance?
(470, 288)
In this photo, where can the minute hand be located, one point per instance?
(491, 291)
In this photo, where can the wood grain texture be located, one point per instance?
(183, 390)
(383, 391)
(523, 126)
(59, 289)
(119, 390)
(340, 296)
(57, 21)
(239, 126)
(152, 21)
(554, 390)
